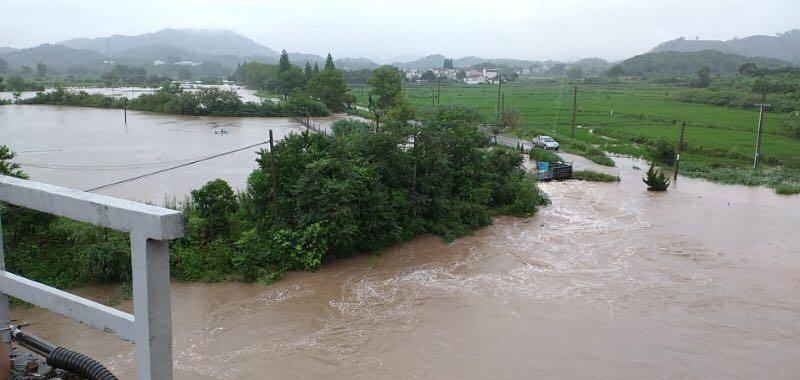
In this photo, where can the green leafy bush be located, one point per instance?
(663, 151)
(655, 179)
(544, 155)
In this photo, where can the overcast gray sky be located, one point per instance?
(528, 29)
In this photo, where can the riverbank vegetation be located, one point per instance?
(172, 99)
(361, 189)
(326, 85)
(309, 92)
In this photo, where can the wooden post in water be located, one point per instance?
(125, 112)
(274, 179)
(678, 156)
(757, 158)
(574, 108)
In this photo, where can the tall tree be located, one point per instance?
(329, 86)
(575, 73)
(448, 63)
(615, 71)
(316, 68)
(703, 77)
(283, 62)
(309, 72)
(329, 63)
(290, 80)
(387, 85)
(41, 69)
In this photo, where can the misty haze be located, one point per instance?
(439, 190)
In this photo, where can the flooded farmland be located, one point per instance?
(85, 148)
(609, 281)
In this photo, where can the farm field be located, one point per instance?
(619, 117)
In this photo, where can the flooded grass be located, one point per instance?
(788, 188)
(785, 181)
(593, 176)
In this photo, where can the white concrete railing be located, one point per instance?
(150, 228)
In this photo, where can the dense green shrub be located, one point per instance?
(346, 126)
(655, 179)
(302, 106)
(544, 155)
(663, 151)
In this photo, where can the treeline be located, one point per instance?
(688, 63)
(17, 83)
(327, 85)
(361, 189)
(172, 99)
(132, 76)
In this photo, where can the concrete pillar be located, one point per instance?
(151, 306)
(5, 313)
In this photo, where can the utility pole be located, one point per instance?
(274, 179)
(762, 106)
(678, 156)
(574, 108)
(499, 88)
(439, 92)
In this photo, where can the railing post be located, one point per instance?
(5, 313)
(151, 306)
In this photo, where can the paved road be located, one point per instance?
(513, 142)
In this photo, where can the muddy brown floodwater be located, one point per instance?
(84, 148)
(608, 282)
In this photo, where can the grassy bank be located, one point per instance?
(785, 181)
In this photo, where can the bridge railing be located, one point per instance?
(150, 229)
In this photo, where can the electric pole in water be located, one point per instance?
(274, 179)
(574, 108)
(762, 106)
(678, 156)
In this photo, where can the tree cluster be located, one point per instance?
(359, 190)
(327, 85)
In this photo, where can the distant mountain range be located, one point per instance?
(199, 41)
(784, 46)
(222, 50)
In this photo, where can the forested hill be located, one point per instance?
(784, 46)
(688, 63)
(201, 41)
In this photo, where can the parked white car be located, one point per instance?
(545, 142)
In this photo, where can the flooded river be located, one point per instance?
(84, 148)
(608, 282)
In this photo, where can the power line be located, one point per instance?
(175, 167)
